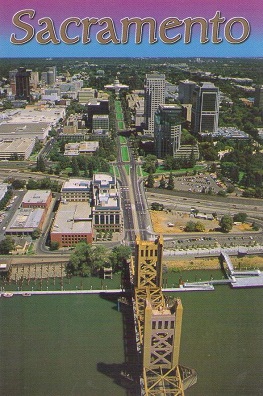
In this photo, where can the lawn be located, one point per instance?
(119, 116)
(121, 125)
(123, 139)
(178, 172)
(125, 154)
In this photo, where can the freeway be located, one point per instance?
(209, 206)
(10, 173)
(137, 221)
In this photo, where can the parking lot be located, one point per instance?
(198, 184)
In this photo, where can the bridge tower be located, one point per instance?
(159, 324)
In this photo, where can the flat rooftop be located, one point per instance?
(25, 219)
(12, 145)
(73, 218)
(108, 201)
(36, 196)
(76, 185)
(33, 114)
(22, 130)
(103, 178)
(100, 117)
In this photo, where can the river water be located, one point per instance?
(72, 345)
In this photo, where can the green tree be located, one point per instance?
(240, 217)
(7, 245)
(190, 226)
(192, 160)
(118, 256)
(150, 163)
(162, 182)
(75, 167)
(54, 245)
(150, 180)
(36, 233)
(41, 166)
(170, 184)
(157, 206)
(18, 184)
(226, 223)
(199, 227)
(86, 259)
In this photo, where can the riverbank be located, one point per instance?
(212, 263)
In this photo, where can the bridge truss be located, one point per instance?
(158, 323)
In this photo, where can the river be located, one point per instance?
(72, 345)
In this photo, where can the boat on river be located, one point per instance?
(7, 295)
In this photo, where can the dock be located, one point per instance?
(248, 281)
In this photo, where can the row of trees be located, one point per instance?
(5, 199)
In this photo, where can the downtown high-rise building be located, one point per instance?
(49, 76)
(186, 89)
(22, 79)
(154, 91)
(167, 130)
(205, 110)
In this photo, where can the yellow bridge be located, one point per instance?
(158, 323)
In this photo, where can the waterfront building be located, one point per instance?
(72, 224)
(154, 94)
(205, 110)
(25, 221)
